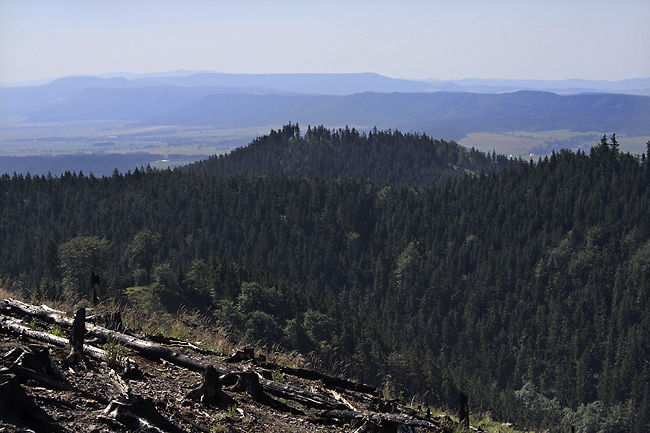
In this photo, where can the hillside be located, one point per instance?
(397, 159)
(525, 288)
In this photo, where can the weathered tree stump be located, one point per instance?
(77, 339)
(249, 382)
(37, 359)
(210, 393)
(111, 321)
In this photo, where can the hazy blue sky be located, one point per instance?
(544, 39)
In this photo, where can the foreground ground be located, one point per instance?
(155, 392)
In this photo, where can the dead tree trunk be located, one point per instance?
(77, 339)
(94, 281)
(463, 414)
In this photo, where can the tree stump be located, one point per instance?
(77, 339)
(210, 393)
(37, 358)
(249, 381)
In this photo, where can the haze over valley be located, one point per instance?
(104, 123)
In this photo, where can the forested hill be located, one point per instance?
(528, 289)
(382, 157)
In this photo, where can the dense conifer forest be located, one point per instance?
(381, 157)
(400, 260)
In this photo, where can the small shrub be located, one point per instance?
(115, 353)
(232, 411)
(278, 376)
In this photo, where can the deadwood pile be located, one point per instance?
(78, 382)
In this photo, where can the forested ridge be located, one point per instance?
(381, 157)
(525, 287)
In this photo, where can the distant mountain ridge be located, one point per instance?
(348, 83)
(448, 115)
(446, 109)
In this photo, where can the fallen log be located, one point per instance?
(379, 418)
(15, 326)
(179, 343)
(308, 398)
(146, 348)
(140, 415)
(44, 312)
(304, 373)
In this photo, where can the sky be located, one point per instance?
(416, 39)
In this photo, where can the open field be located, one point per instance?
(23, 139)
(540, 143)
